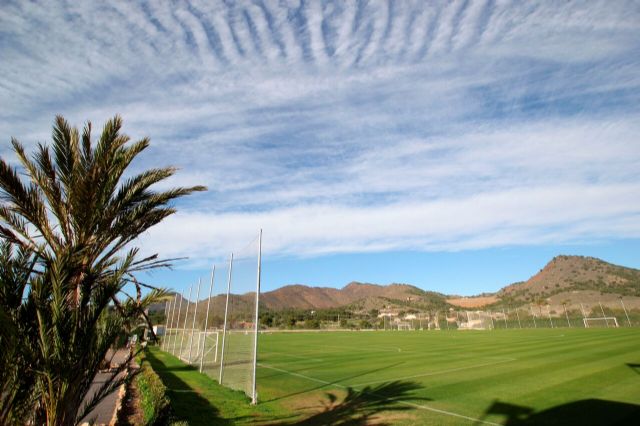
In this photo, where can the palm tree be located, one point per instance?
(72, 221)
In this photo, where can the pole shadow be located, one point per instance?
(634, 367)
(584, 412)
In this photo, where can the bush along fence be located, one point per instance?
(154, 402)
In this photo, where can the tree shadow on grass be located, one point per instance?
(360, 407)
(186, 403)
(335, 382)
(583, 412)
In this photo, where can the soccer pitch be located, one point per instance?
(543, 376)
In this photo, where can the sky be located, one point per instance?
(457, 146)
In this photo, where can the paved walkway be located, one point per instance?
(103, 413)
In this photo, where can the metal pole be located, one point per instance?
(625, 312)
(564, 305)
(184, 323)
(173, 323)
(175, 340)
(603, 316)
(549, 313)
(534, 317)
(206, 318)
(173, 314)
(505, 319)
(166, 328)
(492, 325)
(254, 397)
(518, 316)
(583, 316)
(166, 307)
(224, 327)
(193, 324)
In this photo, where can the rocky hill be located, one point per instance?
(575, 279)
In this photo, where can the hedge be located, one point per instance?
(153, 395)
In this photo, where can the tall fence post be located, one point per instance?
(224, 327)
(165, 341)
(193, 324)
(175, 340)
(254, 394)
(184, 324)
(206, 320)
(625, 312)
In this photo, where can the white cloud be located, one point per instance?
(351, 126)
(510, 217)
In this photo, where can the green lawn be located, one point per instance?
(514, 377)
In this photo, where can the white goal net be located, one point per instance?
(600, 322)
(476, 320)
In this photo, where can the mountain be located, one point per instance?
(570, 279)
(362, 296)
(575, 279)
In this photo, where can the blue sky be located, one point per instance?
(454, 145)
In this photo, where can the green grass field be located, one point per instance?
(544, 376)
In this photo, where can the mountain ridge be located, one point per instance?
(564, 279)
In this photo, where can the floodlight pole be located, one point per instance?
(206, 319)
(603, 315)
(224, 327)
(193, 324)
(625, 312)
(254, 395)
(175, 340)
(184, 323)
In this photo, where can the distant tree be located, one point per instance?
(312, 323)
(365, 324)
(67, 219)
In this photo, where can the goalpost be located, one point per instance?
(606, 320)
(205, 347)
(477, 320)
(404, 326)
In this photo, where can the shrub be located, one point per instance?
(153, 399)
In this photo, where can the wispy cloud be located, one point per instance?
(351, 126)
